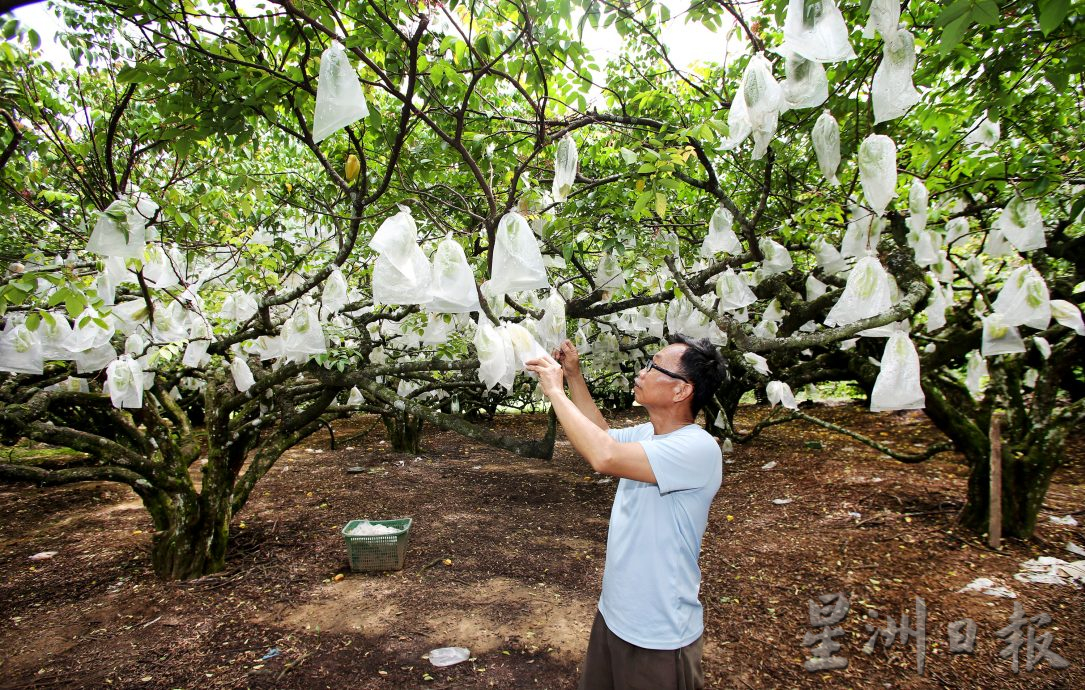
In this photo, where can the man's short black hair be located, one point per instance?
(705, 367)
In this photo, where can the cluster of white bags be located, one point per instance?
(339, 97)
(565, 161)
(878, 171)
(517, 261)
(755, 109)
(721, 236)
(815, 30)
(502, 351)
(401, 274)
(453, 282)
(898, 384)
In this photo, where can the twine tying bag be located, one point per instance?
(496, 356)
(565, 161)
(339, 97)
(892, 91)
(732, 291)
(884, 18)
(1022, 224)
(866, 294)
(779, 393)
(1000, 338)
(452, 282)
(20, 350)
(826, 139)
(120, 231)
(242, 374)
(1024, 300)
(755, 108)
(805, 84)
(815, 29)
(124, 380)
(878, 171)
(777, 258)
(898, 384)
(517, 261)
(721, 237)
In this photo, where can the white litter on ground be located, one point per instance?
(781, 501)
(1075, 549)
(1069, 520)
(1047, 570)
(368, 529)
(43, 556)
(768, 465)
(986, 586)
(447, 656)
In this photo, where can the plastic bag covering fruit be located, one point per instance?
(243, 378)
(339, 97)
(401, 274)
(196, 351)
(777, 258)
(517, 261)
(815, 29)
(159, 266)
(892, 90)
(238, 306)
(721, 237)
(1022, 224)
(996, 245)
(884, 18)
(865, 294)
(334, 296)
(302, 335)
(565, 160)
(452, 285)
(552, 326)
(755, 108)
(805, 85)
(496, 356)
(55, 330)
(124, 379)
(759, 363)
(397, 240)
(983, 132)
(898, 385)
(733, 291)
(828, 257)
(779, 393)
(935, 311)
(826, 139)
(20, 350)
(1067, 314)
(523, 344)
(862, 234)
(355, 397)
(974, 373)
(917, 205)
(609, 275)
(1000, 338)
(88, 333)
(878, 171)
(925, 246)
(1024, 300)
(956, 228)
(119, 231)
(814, 288)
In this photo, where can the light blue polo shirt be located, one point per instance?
(651, 579)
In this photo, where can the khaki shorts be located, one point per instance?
(613, 664)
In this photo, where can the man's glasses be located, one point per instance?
(652, 365)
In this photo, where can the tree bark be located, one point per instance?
(404, 431)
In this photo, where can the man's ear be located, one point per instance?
(685, 392)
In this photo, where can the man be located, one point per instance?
(648, 629)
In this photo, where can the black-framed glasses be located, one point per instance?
(666, 372)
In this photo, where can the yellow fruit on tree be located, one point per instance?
(354, 166)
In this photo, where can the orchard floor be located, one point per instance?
(505, 558)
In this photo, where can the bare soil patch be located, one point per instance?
(526, 541)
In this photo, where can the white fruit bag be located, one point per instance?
(120, 231)
(759, 363)
(1000, 338)
(1022, 224)
(917, 205)
(565, 161)
(453, 282)
(866, 294)
(956, 228)
(815, 29)
(334, 296)
(732, 291)
(974, 373)
(552, 326)
(814, 288)
(87, 333)
(20, 350)
(392, 286)
(828, 258)
(609, 275)
(996, 245)
(124, 379)
(397, 240)
(55, 331)
(517, 261)
(1024, 300)
(238, 306)
(1067, 314)
(302, 335)
(241, 373)
(884, 18)
(94, 359)
(721, 237)
(496, 356)
(524, 345)
(862, 235)
(777, 258)
(826, 140)
(339, 97)
(892, 91)
(878, 171)
(355, 397)
(898, 385)
(984, 132)
(755, 108)
(159, 266)
(805, 84)
(936, 308)
(924, 245)
(779, 393)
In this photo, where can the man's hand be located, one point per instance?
(568, 358)
(550, 375)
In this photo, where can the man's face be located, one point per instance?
(654, 387)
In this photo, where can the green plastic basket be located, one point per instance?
(377, 552)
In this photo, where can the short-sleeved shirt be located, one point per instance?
(651, 579)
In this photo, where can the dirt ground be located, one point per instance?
(506, 557)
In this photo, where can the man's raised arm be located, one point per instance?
(569, 358)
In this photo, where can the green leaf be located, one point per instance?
(1052, 12)
(955, 11)
(10, 27)
(35, 39)
(661, 205)
(986, 12)
(953, 33)
(642, 203)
